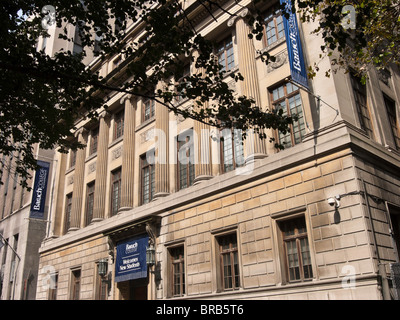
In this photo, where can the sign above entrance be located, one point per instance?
(130, 263)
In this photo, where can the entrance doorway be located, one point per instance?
(133, 289)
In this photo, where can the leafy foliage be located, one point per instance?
(41, 96)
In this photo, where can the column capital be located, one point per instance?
(124, 97)
(241, 14)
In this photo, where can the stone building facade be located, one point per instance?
(242, 221)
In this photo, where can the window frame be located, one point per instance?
(72, 158)
(76, 281)
(149, 105)
(234, 145)
(362, 108)
(230, 252)
(273, 14)
(102, 285)
(68, 207)
(226, 49)
(151, 167)
(186, 72)
(393, 119)
(293, 94)
(90, 192)
(52, 292)
(94, 138)
(190, 167)
(115, 181)
(119, 121)
(284, 253)
(180, 261)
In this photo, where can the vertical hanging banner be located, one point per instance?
(293, 42)
(131, 259)
(39, 190)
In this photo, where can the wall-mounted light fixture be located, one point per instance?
(150, 255)
(102, 267)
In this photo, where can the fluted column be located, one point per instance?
(255, 146)
(161, 151)
(101, 170)
(79, 175)
(203, 168)
(128, 156)
(203, 163)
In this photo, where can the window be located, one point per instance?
(94, 135)
(148, 179)
(68, 206)
(225, 54)
(75, 284)
(53, 284)
(101, 286)
(232, 155)
(360, 97)
(115, 191)
(185, 160)
(89, 202)
(273, 26)
(229, 261)
(177, 259)
(183, 83)
(296, 248)
(119, 124)
(394, 225)
(77, 39)
(72, 158)
(287, 98)
(148, 109)
(394, 124)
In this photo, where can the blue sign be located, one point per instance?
(131, 259)
(39, 190)
(295, 52)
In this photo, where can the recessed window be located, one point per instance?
(147, 178)
(94, 136)
(394, 123)
(119, 124)
(360, 98)
(89, 202)
(177, 271)
(296, 249)
(148, 109)
(232, 154)
(185, 160)
(115, 191)
(225, 53)
(273, 26)
(75, 284)
(228, 261)
(287, 98)
(68, 207)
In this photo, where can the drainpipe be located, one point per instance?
(381, 266)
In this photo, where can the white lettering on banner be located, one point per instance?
(293, 38)
(40, 187)
(130, 248)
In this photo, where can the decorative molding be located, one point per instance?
(92, 167)
(70, 180)
(116, 153)
(281, 59)
(147, 135)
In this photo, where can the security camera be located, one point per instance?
(334, 201)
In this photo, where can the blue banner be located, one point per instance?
(131, 259)
(295, 52)
(39, 190)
